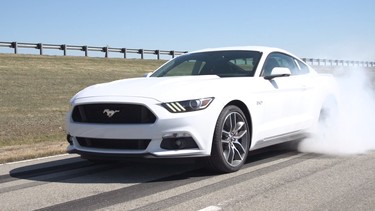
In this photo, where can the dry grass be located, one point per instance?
(35, 93)
(29, 151)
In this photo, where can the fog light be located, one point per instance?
(176, 143)
(179, 143)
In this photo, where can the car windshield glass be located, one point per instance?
(221, 63)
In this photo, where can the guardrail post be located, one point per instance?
(157, 52)
(15, 46)
(123, 50)
(172, 53)
(141, 51)
(311, 61)
(63, 47)
(40, 47)
(105, 49)
(85, 49)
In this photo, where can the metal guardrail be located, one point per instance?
(106, 50)
(342, 63)
(125, 51)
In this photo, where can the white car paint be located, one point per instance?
(279, 108)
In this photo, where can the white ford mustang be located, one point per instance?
(216, 104)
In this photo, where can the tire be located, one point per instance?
(231, 141)
(328, 118)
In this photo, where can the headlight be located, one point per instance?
(188, 105)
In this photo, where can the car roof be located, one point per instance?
(263, 49)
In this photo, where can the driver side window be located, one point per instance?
(278, 60)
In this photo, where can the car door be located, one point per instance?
(307, 81)
(282, 99)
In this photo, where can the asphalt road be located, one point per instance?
(272, 179)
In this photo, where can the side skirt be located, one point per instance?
(301, 134)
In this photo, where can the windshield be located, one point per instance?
(221, 63)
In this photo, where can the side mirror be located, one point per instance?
(146, 75)
(278, 72)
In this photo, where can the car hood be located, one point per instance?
(163, 89)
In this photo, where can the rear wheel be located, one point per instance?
(328, 118)
(231, 141)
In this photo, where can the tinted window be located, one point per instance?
(302, 68)
(221, 63)
(245, 63)
(279, 60)
(189, 67)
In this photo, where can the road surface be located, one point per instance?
(272, 179)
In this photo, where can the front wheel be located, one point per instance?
(231, 141)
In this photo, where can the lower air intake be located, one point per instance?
(129, 144)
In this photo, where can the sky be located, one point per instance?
(330, 29)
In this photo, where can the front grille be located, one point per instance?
(113, 114)
(129, 144)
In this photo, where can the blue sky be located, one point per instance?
(336, 29)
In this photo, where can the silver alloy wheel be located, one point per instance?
(233, 138)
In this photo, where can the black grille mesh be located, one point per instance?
(113, 114)
(130, 144)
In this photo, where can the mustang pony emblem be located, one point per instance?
(110, 113)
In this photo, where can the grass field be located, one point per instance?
(35, 93)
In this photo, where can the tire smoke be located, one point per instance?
(354, 128)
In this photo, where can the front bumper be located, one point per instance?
(197, 125)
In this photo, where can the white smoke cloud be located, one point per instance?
(355, 129)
